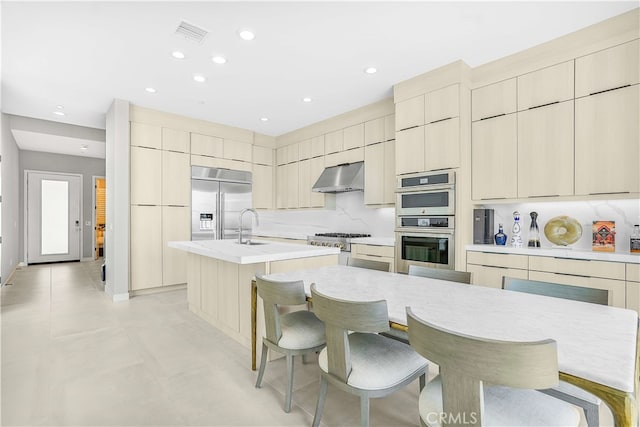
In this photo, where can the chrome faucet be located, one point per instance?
(240, 221)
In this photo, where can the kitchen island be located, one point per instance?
(220, 274)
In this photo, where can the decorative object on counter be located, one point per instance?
(563, 230)
(483, 226)
(500, 237)
(534, 231)
(516, 232)
(604, 236)
(634, 243)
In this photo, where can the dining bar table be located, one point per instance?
(597, 345)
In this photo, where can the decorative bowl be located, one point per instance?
(563, 230)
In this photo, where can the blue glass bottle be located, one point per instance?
(500, 237)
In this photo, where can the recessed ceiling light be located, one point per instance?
(150, 90)
(58, 113)
(177, 54)
(306, 99)
(219, 59)
(59, 107)
(84, 147)
(246, 35)
(199, 78)
(264, 119)
(370, 70)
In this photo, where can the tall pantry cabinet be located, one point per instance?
(160, 205)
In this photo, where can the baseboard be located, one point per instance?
(167, 288)
(121, 297)
(87, 259)
(13, 272)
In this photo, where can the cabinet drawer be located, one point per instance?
(608, 69)
(616, 288)
(633, 296)
(576, 267)
(492, 276)
(493, 100)
(551, 84)
(633, 272)
(498, 260)
(373, 250)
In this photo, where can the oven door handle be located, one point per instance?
(418, 231)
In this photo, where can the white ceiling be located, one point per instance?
(82, 55)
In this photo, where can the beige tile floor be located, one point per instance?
(70, 356)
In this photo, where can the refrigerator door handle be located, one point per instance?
(221, 214)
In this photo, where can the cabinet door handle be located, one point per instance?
(493, 117)
(609, 90)
(441, 120)
(544, 105)
(545, 195)
(609, 192)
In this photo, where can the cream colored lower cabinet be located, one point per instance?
(633, 286)
(590, 274)
(379, 174)
(262, 189)
(488, 269)
(194, 293)
(494, 158)
(145, 247)
(176, 225)
(375, 253)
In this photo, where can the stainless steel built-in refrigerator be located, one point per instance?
(217, 198)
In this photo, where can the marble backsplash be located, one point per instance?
(625, 213)
(349, 216)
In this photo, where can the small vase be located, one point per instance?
(534, 231)
(500, 237)
(516, 233)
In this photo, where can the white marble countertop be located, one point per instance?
(229, 250)
(558, 253)
(375, 241)
(281, 234)
(595, 342)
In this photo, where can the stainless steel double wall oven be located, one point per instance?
(425, 220)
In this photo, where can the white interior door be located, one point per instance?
(53, 217)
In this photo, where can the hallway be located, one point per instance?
(70, 356)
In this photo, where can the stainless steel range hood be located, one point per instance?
(341, 178)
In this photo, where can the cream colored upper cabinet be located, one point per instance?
(175, 140)
(304, 184)
(608, 69)
(282, 156)
(545, 151)
(281, 187)
(410, 113)
(262, 155)
(374, 131)
(410, 150)
(144, 135)
(146, 176)
(349, 156)
(379, 174)
(353, 136)
(442, 144)
(316, 166)
(494, 158)
(304, 149)
(606, 142)
(293, 152)
(176, 225)
(205, 145)
(292, 185)
(334, 142)
(317, 146)
(262, 190)
(390, 127)
(542, 87)
(145, 258)
(236, 150)
(442, 104)
(493, 100)
(176, 178)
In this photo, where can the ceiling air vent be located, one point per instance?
(191, 32)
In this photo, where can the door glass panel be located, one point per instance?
(426, 249)
(426, 200)
(55, 217)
